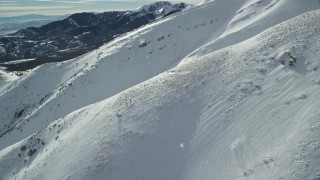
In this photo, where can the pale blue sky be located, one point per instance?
(55, 7)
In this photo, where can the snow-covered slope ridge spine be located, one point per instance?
(120, 64)
(254, 17)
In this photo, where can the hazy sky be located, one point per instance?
(54, 7)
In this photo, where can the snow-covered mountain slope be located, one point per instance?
(246, 111)
(253, 17)
(6, 79)
(126, 61)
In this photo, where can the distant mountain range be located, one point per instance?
(30, 17)
(77, 34)
(12, 24)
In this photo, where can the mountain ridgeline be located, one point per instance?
(78, 34)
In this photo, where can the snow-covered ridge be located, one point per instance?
(162, 8)
(253, 17)
(160, 5)
(138, 109)
(105, 72)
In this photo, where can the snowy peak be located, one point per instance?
(162, 8)
(154, 6)
(171, 9)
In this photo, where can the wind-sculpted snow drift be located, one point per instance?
(235, 108)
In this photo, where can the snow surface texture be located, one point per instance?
(224, 96)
